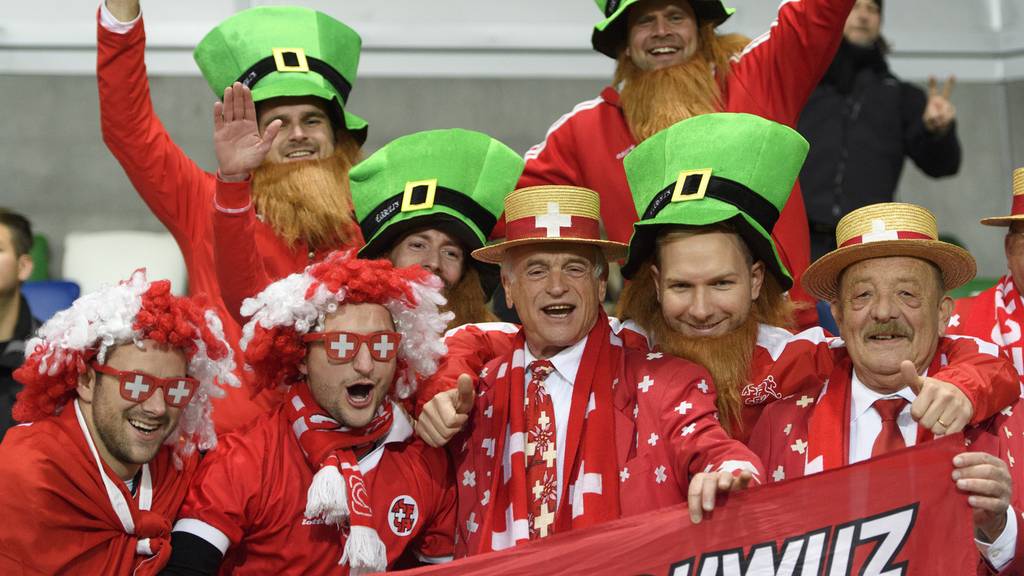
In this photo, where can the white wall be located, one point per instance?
(978, 40)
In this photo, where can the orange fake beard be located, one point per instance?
(727, 357)
(466, 300)
(309, 201)
(653, 100)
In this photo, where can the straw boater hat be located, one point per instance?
(128, 313)
(884, 230)
(285, 51)
(451, 180)
(610, 34)
(1017, 209)
(551, 215)
(713, 168)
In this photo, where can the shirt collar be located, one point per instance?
(566, 362)
(862, 397)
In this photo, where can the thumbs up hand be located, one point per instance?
(940, 406)
(446, 413)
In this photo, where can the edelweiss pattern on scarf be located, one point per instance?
(338, 492)
(591, 469)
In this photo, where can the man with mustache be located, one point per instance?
(570, 428)
(333, 476)
(886, 284)
(300, 65)
(671, 65)
(707, 285)
(997, 314)
(116, 401)
(425, 199)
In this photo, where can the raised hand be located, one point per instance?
(940, 406)
(705, 485)
(446, 413)
(939, 112)
(236, 135)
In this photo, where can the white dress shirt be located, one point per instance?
(866, 424)
(559, 387)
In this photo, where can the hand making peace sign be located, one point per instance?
(939, 112)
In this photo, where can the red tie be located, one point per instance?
(890, 438)
(541, 456)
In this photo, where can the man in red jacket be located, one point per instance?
(301, 192)
(116, 401)
(672, 66)
(886, 283)
(333, 476)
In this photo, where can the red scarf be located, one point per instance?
(66, 510)
(590, 458)
(338, 492)
(998, 318)
(828, 430)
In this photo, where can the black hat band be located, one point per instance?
(268, 65)
(447, 197)
(729, 191)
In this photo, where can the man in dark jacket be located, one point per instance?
(861, 122)
(16, 321)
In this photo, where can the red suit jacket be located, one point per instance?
(802, 434)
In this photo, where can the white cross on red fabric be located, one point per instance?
(553, 221)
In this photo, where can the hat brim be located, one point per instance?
(380, 245)
(610, 33)
(494, 253)
(757, 239)
(1002, 221)
(821, 279)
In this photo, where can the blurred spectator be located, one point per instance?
(16, 321)
(861, 122)
(997, 313)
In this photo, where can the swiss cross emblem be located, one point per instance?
(402, 515)
(754, 394)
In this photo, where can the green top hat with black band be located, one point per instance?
(735, 168)
(452, 180)
(611, 33)
(285, 51)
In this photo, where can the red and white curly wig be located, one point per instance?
(128, 313)
(294, 306)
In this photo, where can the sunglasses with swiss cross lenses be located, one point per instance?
(138, 386)
(343, 346)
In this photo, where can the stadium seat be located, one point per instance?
(47, 297)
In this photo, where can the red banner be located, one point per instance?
(894, 515)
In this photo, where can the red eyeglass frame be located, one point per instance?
(360, 339)
(126, 377)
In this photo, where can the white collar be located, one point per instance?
(401, 431)
(862, 397)
(566, 362)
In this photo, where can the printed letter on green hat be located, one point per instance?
(284, 51)
(610, 34)
(452, 180)
(715, 168)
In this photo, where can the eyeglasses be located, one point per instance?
(343, 346)
(138, 386)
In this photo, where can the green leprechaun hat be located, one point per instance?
(285, 51)
(715, 168)
(610, 33)
(452, 180)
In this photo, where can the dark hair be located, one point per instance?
(21, 230)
